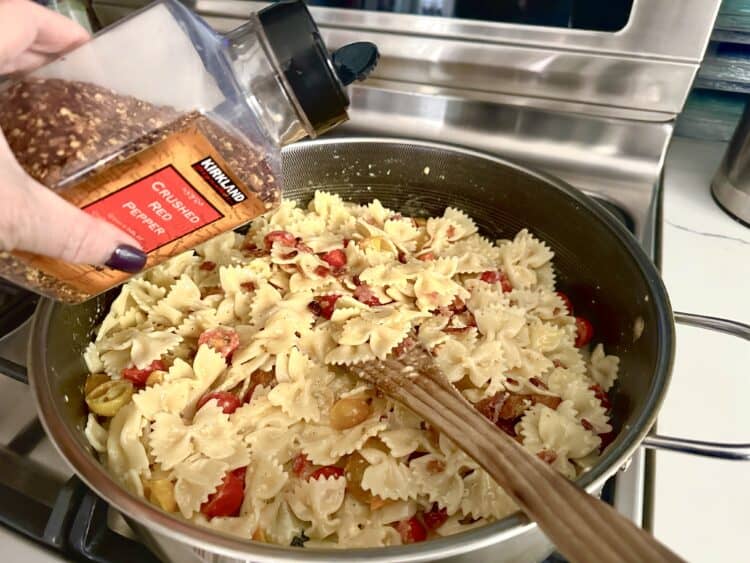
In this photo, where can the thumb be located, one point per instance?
(54, 227)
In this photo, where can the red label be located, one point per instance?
(157, 209)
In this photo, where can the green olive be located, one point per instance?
(109, 397)
(94, 380)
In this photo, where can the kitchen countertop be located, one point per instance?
(701, 507)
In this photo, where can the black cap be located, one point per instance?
(355, 61)
(316, 80)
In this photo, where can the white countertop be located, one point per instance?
(702, 506)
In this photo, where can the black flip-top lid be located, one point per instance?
(316, 79)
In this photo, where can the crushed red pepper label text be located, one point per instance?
(157, 209)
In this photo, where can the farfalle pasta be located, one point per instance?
(218, 389)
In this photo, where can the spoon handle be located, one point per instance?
(584, 529)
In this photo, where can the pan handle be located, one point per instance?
(720, 450)
(13, 370)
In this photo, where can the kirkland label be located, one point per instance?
(156, 209)
(219, 181)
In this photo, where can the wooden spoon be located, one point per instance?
(583, 528)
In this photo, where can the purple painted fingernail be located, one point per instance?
(127, 258)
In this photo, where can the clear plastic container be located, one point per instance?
(169, 130)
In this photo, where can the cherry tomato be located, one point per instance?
(322, 271)
(301, 466)
(208, 266)
(601, 394)
(364, 294)
(336, 258)
(259, 377)
(536, 382)
(607, 438)
(323, 305)
(227, 499)
(248, 286)
(458, 306)
(315, 308)
(327, 303)
(138, 377)
(224, 399)
(505, 284)
(435, 517)
(584, 332)
(222, 339)
(567, 301)
(496, 276)
(326, 472)
(411, 531)
(284, 237)
(547, 456)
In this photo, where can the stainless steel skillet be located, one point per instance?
(600, 265)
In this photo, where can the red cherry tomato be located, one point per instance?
(567, 301)
(248, 286)
(601, 394)
(322, 271)
(364, 294)
(336, 258)
(435, 517)
(547, 456)
(323, 305)
(224, 399)
(207, 266)
(315, 308)
(584, 332)
(411, 531)
(496, 276)
(227, 499)
(327, 303)
(138, 377)
(326, 472)
(222, 339)
(491, 276)
(301, 466)
(607, 438)
(284, 237)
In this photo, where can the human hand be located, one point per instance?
(32, 217)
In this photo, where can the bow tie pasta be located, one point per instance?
(217, 389)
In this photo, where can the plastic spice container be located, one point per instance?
(171, 131)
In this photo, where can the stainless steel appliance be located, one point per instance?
(595, 108)
(731, 184)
